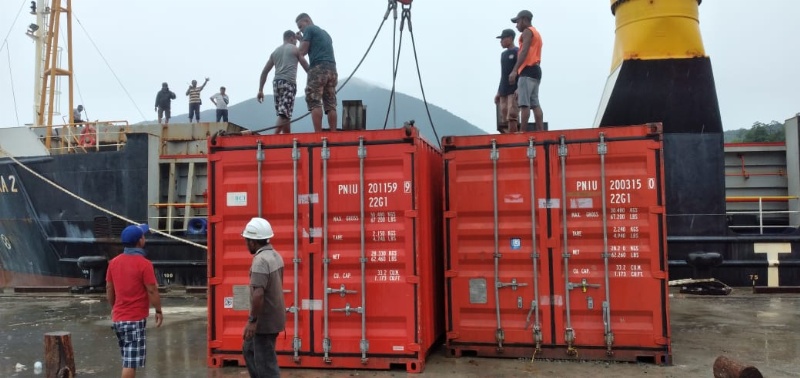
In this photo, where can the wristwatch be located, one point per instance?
(252, 319)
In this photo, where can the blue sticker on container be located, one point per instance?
(516, 243)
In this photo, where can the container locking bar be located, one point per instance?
(364, 344)
(602, 150)
(569, 333)
(326, 261)
(537, 329)
(296, 342)
(494, 156)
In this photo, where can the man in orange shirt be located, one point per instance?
(130, 289)
(528, 70)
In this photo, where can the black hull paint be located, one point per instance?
(680, 93)
(49, 230)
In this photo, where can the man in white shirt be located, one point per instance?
(220, 100)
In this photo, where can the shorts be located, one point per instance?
(162, 112)
(321, 86)
(528, 92)
(284, 92)
(132, 342)
(509, 111)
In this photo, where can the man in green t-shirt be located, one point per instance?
(322, 75)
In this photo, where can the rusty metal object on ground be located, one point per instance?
(725, 367)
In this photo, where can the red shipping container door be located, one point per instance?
(356, 216)
(555, 245)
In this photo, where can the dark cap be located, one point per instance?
(523, 14)
(507, 33)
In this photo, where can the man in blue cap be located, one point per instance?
(131, 288)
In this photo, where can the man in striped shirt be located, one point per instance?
(194, 99)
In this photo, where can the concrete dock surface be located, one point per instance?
(758, 329)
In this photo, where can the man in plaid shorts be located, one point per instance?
(131, 288)
(284, 86)
(322, 75)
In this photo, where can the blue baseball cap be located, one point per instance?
(132, 234)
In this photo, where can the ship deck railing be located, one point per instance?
(761, 213)
(83, 137)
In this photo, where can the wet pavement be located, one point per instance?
(763, 330)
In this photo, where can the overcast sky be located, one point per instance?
(753, 46)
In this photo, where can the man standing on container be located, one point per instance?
(164, 99)
(267, 310)
(322, 75)
(130, 289)
(528, 70)
(194, 99)
(506, 93)
(284, 86)
(220, 100)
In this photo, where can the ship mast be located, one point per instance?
(47, 63)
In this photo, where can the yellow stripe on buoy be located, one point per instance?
(656, 29)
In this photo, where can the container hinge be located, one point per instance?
(362, 150)
(326, 347)
(520, 305)
(347, 309)
(590, 303)
(295, 151)
(341, 291)
(326, 151)
(602, 147)
(326, 260)
(259, 152)
(569, 337)
(609, 336)
(494, 154)
(562, 148)
(362, 260)
(364, 345)
(583, 285)
(500, 336)
(513, 284)
(296, 344)
(531, 149)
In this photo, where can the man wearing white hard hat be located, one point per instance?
(267, 310)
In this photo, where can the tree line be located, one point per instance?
(759, 132)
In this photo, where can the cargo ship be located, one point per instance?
(67, 191)
(158, 175)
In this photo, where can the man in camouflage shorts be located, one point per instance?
(284, 86)
(322, 75)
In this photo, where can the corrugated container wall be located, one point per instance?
(555, 245)
(356, 217)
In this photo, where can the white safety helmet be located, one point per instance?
(258, 229)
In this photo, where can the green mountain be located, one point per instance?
(254, 116)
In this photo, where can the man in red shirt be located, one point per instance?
(131, 288)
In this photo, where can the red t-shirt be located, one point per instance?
(129, 273)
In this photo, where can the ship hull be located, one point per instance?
(46, 229)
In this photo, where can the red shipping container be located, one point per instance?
(356, 216)
(555, 245)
